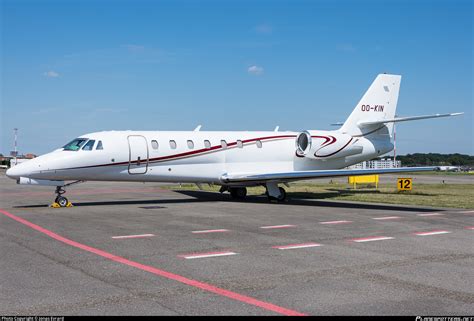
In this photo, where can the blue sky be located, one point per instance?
(73, 67)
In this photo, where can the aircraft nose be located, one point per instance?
(17, 171)
(11, 172)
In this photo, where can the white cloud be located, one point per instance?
(51, 74)
(255, 70)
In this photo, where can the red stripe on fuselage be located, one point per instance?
(190, 153)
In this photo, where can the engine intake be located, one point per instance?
(326, 145)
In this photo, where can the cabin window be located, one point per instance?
(240, 144)
(173, 144)
(99, 145)
(75, 145)
(207, 144)
(154, 144)
(190, 144)
(259, 144)
(89, 145)
(223, 144)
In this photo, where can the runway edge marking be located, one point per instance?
(168, 275)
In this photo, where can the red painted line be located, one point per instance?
(276, 226)
(335, 222)
(171, 276)
(210, 231)
(470, 228)
(133, 236)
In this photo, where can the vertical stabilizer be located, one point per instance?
(378, 103)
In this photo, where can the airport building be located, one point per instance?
(377, 164)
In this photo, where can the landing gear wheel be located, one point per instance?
(62, 201)
(282, 196)
(279, 198)
(238, 192)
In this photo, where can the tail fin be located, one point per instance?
(378, 103)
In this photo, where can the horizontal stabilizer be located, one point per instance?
(302, 175)
(399, 119)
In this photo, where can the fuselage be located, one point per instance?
(183, 156)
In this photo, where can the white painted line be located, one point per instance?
(386, 218)
(133, 236)
(431, 233)
(371, 239)
(296, 246)
(430, 214)
(205, 255)
(210, 231)
(277, 226)
(466, 212)
(336, 222)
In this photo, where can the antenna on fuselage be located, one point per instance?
(276, 129)
(198, 128)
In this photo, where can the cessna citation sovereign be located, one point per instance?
(233, 160)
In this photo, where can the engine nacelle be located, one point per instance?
(325, 145)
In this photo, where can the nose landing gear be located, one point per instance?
(61, 201)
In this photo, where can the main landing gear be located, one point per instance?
(273, 192)
(238, 193)
(60, 200)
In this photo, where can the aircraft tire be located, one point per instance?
(238, 192)
(62, 201)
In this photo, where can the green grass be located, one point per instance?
(435, 195)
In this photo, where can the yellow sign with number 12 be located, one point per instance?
(404, 184)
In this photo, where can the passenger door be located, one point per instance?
(138, 151)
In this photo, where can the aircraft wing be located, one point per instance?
(302, 175)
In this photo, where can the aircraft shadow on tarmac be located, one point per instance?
(300, 199)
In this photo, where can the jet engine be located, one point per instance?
(326, 145)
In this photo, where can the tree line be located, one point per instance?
(433, 159)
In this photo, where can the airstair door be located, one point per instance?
(138, 151)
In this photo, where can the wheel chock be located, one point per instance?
(56, 205)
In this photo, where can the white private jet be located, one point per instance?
(233, 160)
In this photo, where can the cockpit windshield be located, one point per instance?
(76, 144)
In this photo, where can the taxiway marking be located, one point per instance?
(470, 228)
(210, 231)
(430, 214)
(386, 218)
(167, 275)
(335, 222)
(296, 246)
(371, 239)
(205, 255)
(133, 236)
(431, 233)
(277, 226)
